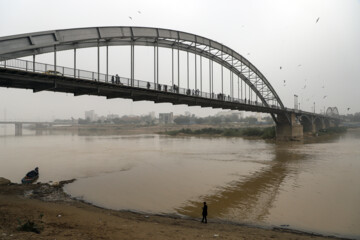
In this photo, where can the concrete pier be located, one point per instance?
(18, 129)
(288, 128)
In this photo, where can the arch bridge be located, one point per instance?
(248, 89)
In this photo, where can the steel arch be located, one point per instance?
(47, 41)
(332, 112)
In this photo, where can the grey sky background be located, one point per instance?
(324, 56)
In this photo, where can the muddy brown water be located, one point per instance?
(311, 185)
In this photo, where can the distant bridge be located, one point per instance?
(254, 91)
(19, 125)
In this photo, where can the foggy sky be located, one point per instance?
(324, 56)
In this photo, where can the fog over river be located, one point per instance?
(311, 185)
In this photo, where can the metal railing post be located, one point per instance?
(33, 62)
(201, 73)
(172, 67)
(98, 61)
(178, 62)
(195, 69)
(55, 59)
(187, 69)
(107, 63)
(132, 63)
(74, 62)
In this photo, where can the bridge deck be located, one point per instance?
(137, 91)
(15, 78)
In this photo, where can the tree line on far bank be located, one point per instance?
(182, 120)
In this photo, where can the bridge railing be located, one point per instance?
(49, 69)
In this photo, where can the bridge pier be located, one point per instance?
(288, 128)
(18, 129)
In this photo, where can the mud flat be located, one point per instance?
(44, 211)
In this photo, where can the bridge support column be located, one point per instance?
(18, 129)
(313, 129)
(287, 128)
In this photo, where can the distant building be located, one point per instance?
(239, 115)
(166, 118)
(112, 116)
(152, 115)
(90, 115)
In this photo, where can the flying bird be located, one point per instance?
(130, 17)
(284, 81)
(317, 19)
(348, 109)
(299, 65)
(324, 97)
(323, 86)
(280, 67)
(304, 87)
(139, 12)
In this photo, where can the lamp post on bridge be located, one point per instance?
(314, 107)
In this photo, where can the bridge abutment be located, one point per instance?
(18, 129)
(287, 128)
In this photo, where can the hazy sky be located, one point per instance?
(324, 56)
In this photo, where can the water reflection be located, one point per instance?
(250, 198)
(310, 185)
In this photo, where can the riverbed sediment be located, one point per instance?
(58, 216)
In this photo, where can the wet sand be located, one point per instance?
(60, 217)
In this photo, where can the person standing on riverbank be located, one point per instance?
(204, 213)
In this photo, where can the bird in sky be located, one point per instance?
(299, 65)
(139, 12)
(248, 53)
(323, 87)
(348, 109)
(130, 17)
(304, 87)
(324, 97)
(284, 81)
(280, 67)
(317, 19)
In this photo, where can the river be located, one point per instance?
(311, 186)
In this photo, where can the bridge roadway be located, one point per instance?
(15, 73)
(15, 77)
(12, 76)
(38, 125)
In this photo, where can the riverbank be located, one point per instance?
(119, 129)
(264, 133)
(48, 210)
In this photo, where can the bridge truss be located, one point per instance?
(32, 44)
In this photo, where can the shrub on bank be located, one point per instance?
(265, 133)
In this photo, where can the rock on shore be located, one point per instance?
(4, 181)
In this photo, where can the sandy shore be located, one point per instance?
(57, 216)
